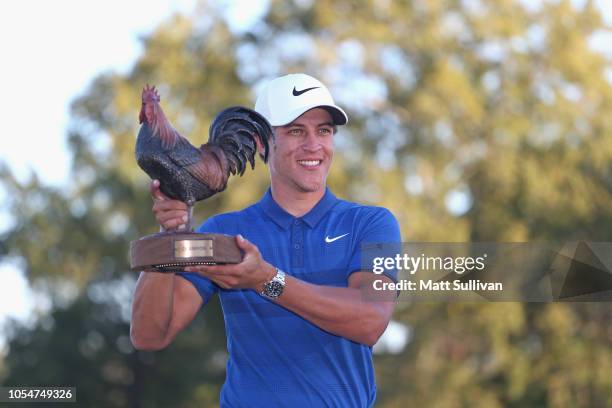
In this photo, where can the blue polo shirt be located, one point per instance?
(277, 358)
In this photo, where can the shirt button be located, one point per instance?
(297, 246)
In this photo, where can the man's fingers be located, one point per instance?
(226, 282)
(172, 224)
(211, 270)
(178, 215)
(170, 214)
(245, 244)
(156, 192)
(163, 202)
(169, 205)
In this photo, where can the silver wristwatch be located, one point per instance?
(274, 288)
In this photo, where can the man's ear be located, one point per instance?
(260, 148)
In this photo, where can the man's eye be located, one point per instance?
(325, 130)
(295, 131)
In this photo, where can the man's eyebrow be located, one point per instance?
(292, 124)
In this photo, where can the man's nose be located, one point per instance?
(312, 142)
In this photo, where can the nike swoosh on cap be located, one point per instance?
(298, 93)
(328, 239)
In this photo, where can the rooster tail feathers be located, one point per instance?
(152, 114)
(236, 131)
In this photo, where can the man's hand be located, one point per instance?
(251, 273)
(170, 214)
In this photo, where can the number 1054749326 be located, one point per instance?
(37, 394)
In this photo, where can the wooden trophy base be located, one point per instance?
(172, 251)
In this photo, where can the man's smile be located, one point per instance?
(310, 163)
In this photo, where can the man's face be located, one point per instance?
(302, 152)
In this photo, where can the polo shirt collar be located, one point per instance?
(284, 219)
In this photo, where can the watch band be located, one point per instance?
(274, 288)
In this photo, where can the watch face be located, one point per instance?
(273, 289)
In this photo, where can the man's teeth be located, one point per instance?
(309, 162)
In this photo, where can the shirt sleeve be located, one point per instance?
(205, 287)
(380, 237)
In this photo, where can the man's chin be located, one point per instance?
(311, 187)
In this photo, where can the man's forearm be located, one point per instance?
(339, 310)
(152, 310)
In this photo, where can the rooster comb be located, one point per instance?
(149, 94)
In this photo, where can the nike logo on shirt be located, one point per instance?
(328, 239)
(298, 93)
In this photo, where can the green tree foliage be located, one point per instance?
(500, 105)
(87, 345)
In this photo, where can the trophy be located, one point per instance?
(192, 174)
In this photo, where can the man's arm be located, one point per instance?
(342, 311)
(164, 304)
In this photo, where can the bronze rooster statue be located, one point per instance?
(192, 174)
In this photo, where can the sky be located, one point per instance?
(51, 50)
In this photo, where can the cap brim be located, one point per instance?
(339, 117)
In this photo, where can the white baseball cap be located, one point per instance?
(285, 98)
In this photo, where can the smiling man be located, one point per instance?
(299, 332)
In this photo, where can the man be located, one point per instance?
(299, 332)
